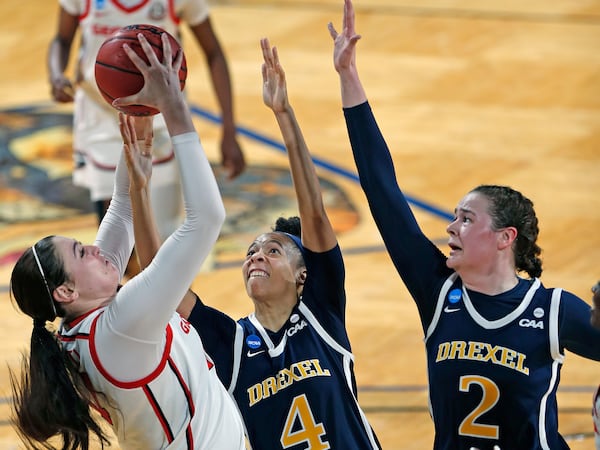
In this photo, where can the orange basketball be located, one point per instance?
(117, 76)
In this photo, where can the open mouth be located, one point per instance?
(257, 273)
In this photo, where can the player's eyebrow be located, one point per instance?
(463, 210)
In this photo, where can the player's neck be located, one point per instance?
(273, 315)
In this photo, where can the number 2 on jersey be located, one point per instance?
(307, 430)
(490, 395)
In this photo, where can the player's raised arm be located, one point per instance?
(317, 232)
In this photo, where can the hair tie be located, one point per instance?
(39, 323)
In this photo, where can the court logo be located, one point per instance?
(36, 165)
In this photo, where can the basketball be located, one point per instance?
(117, 76)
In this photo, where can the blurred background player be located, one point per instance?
(96, 140)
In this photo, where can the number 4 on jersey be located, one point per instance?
(300, 427)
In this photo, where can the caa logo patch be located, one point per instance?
(530, 323)
(297, 327)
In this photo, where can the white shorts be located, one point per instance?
(97, 147)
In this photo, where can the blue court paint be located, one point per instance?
(277, 145)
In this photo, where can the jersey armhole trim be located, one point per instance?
(553, 326)
(440, 303)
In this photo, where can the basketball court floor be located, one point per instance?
(466, 92)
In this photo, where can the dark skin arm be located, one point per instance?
(232, 158)
(595, 319)
(317, 231)
(58, 57)
(139, 163)
(147, 240)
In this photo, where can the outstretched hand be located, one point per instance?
(161, 79)
(137, 145)
(344, 51)
(274, 86)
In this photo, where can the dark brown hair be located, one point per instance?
(510, 208)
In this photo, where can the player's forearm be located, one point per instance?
(147, 239)
(353, 93)
(317, 232)
(58, 58)
(304, 176)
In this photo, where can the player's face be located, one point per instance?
(473, 242)
(90, 273)
(269, 267)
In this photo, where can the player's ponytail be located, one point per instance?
(50, 397)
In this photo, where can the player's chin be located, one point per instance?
(256, 288)
(112, 270)
(451, 262)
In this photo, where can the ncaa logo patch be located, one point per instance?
(454, 296)
(253, 341)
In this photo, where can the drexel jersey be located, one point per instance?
(481, 349)
(296, 388)
(484, 373)
(299, 387)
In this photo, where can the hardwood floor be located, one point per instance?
(466, 92)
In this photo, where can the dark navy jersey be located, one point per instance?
(493, 361)
(483, 373)
(295, 388)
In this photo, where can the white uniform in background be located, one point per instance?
(96, 139)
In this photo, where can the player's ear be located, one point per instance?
(65, 293)
(301, 274)
(506, 237)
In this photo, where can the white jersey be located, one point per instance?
(98, 19)
(96, 139)
(177, 406)
(155, 384)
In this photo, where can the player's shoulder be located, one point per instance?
(73, 7)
